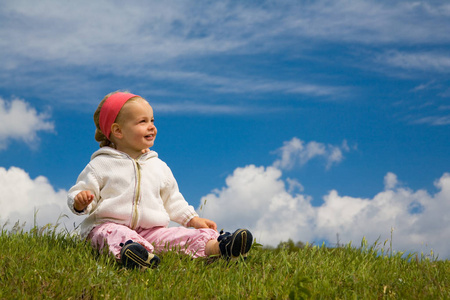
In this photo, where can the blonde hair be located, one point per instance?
(99, 136)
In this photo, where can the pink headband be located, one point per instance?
(110, 109)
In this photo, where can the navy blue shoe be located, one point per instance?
(232, 246)
(135, 256)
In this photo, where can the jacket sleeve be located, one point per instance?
(176, 206)
(87, 181)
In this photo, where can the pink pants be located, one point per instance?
(158, 239)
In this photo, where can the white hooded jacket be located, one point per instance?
(136, 193)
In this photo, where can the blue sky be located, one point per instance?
(297, 119)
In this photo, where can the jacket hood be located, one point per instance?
(119, 154)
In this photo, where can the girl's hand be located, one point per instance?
(198, 222)
(82, 200)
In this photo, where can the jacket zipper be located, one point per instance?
(135, 215)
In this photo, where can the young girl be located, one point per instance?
(130, 195)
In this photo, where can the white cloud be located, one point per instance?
(256, 198)
(178, 37)
(373, 21)
(417, 217)
(244, 84)
(433, 120)
(98, 32)
(296, 152)
(198, 108)
(259, 199)
(390, 181)
(20, 121)
(421, 61)
(22, 196)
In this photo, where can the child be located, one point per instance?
(130, 195)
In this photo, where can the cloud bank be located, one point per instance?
(275, 209)
(32, 201)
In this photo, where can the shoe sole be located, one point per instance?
(151, 262)
(241, 243)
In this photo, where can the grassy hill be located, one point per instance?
(43, 264)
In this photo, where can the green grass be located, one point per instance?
(42, 264)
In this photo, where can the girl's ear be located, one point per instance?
(116, 131)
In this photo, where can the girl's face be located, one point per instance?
(135, 130)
